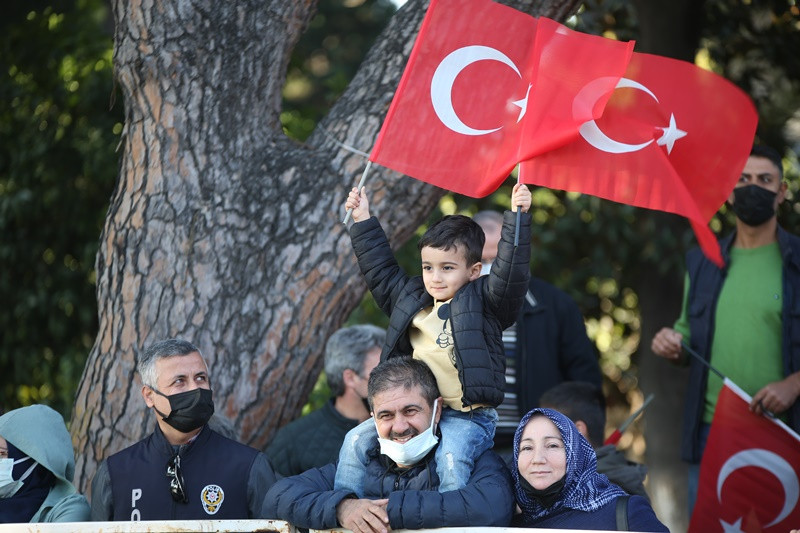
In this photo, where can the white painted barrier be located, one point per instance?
(154, 526)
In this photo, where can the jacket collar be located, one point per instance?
(184, 449)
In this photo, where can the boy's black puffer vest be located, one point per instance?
(479, 311)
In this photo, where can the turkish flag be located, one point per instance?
(673, 137)
(487, 86)
(749, 472)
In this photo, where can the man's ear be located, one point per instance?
(147, 394)
(583, 429)
(439, 405)
(782, 192)
(349, 378)
(475, 271)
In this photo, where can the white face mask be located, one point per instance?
(486, 268)
(9, 487)
(410, 452)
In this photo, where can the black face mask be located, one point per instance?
(190, 410)
(753, 205)
(547, 496)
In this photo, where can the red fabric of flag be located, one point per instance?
(673, 137)
(750, 471)
(487, 86)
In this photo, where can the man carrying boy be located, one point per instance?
(452, 319)
(404, 401)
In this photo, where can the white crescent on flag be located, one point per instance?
(592, 133)
(771, 462)
(446, 74)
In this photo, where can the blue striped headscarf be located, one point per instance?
(584, 489)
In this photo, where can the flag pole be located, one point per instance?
(706, 363)
(519, 211)
(614, 437)
(717, 372)
(360, 186)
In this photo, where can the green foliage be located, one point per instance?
(755, 44)
(326, 59)
(56, 175)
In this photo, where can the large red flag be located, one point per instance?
(750, 472)
(487, 86)
(673, 137)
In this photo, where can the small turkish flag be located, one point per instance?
(673, 137)
(487, 86)
(749, 472)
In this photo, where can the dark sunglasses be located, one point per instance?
(176, 483)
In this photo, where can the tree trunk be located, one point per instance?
(221, 230)
(659, 300)
(670, 29)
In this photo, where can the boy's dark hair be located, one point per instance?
(402, 371)
(456, 230)
(579, 400)
(768, 152)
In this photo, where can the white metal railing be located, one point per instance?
(152, 526)
(222, 526)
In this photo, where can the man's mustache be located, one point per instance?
(410, 432)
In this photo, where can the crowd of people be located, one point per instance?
(480, 405)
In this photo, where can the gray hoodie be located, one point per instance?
(39, 432)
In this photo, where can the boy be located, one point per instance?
(452, 319)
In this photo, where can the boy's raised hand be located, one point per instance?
(521, 197)
(359, 204)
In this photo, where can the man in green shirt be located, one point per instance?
(740, 318)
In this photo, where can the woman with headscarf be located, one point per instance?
(557, 485)
(36, 469)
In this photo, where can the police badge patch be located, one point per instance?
(212, 496)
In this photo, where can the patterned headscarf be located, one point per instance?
(584, 489)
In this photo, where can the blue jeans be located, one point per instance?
(352, 466)
(465, 436)
(694, 469)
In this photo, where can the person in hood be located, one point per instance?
(184, 470)
(557, 485)
(743, 318)
(584, 404)
(37, 465)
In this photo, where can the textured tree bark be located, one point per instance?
(670, 29)
(660, 299)
(221, 230)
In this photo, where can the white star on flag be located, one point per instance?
(671, 134)
(736, 527)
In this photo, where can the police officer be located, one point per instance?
(184, 469)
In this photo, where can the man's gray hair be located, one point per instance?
(146, 365)
(482, 217)
(348, 348)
